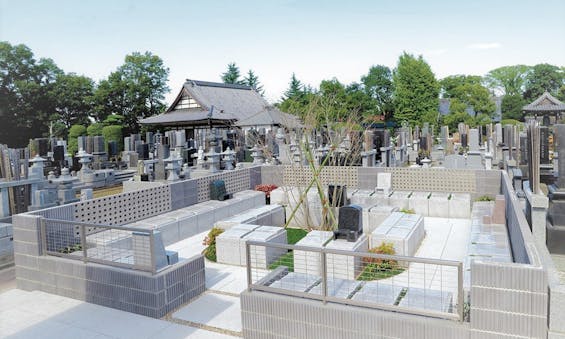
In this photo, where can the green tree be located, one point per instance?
(75, 131)
(25, 104)
(455, 117)
(231, 76)
(511, 107)
(72, 95)
(509, 80)
(252, 81)
(113, 119)
(135, 90)
(416, 91)
(113, 133)
(295, 89)
(468, 90)
(542, 78)
(95, 129)
(379, 86)
(297, 97)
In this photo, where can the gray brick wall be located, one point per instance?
(267, 315)
(123, 289)
(509, 299)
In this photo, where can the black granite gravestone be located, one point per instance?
(464, 142)
(555, 235)
(544, 145)
(218, 190)
(350, 223)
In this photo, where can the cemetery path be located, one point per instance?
(41, 315)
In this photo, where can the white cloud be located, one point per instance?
(485, 45)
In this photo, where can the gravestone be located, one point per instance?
(544, 145)
(464, 142)
(350, 223)
(454, 161)
(218, 190)
(523, 149)
(473, 140)
(444, 135)
(556, 213)
(498, 132)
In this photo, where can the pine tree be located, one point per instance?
(252, 81)
(295, 89)
(231, 76)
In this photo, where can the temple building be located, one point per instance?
(203, 104)
(546, 108)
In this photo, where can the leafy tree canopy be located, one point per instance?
(468, 90)
(542, 78)
(512, 107)
(135, 90)
(416, 91)
(379, 87)
(508, 80)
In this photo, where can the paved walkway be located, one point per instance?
(41, 315)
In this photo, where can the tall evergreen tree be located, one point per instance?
(416, 91)
(231, 76)
(295, 89)
(252, 81)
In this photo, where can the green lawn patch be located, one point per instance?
(375, 271)
(293, 235)
(285, 260)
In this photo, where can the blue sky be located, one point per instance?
(315, 39)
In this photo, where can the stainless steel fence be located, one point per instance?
(120, 246)
(422, 286)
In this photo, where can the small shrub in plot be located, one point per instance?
(376, 268)
(210, 241)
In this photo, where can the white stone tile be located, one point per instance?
(220, 311)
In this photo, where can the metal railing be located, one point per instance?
(422, 286)
(120, 246)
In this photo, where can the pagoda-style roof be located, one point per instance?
(546, 103)
(201, 102)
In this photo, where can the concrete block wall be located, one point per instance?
(272, 175)
(508, 299)
(6, 244)
(521, 238)
(267, 315)
(236, 181)
(183, 193)
(124, 289)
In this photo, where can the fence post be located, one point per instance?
(152, 250)
(460, 296)
(248, 264)
(43, 228)
(324, 275)
(83, 243)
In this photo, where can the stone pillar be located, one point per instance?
(537, 213)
